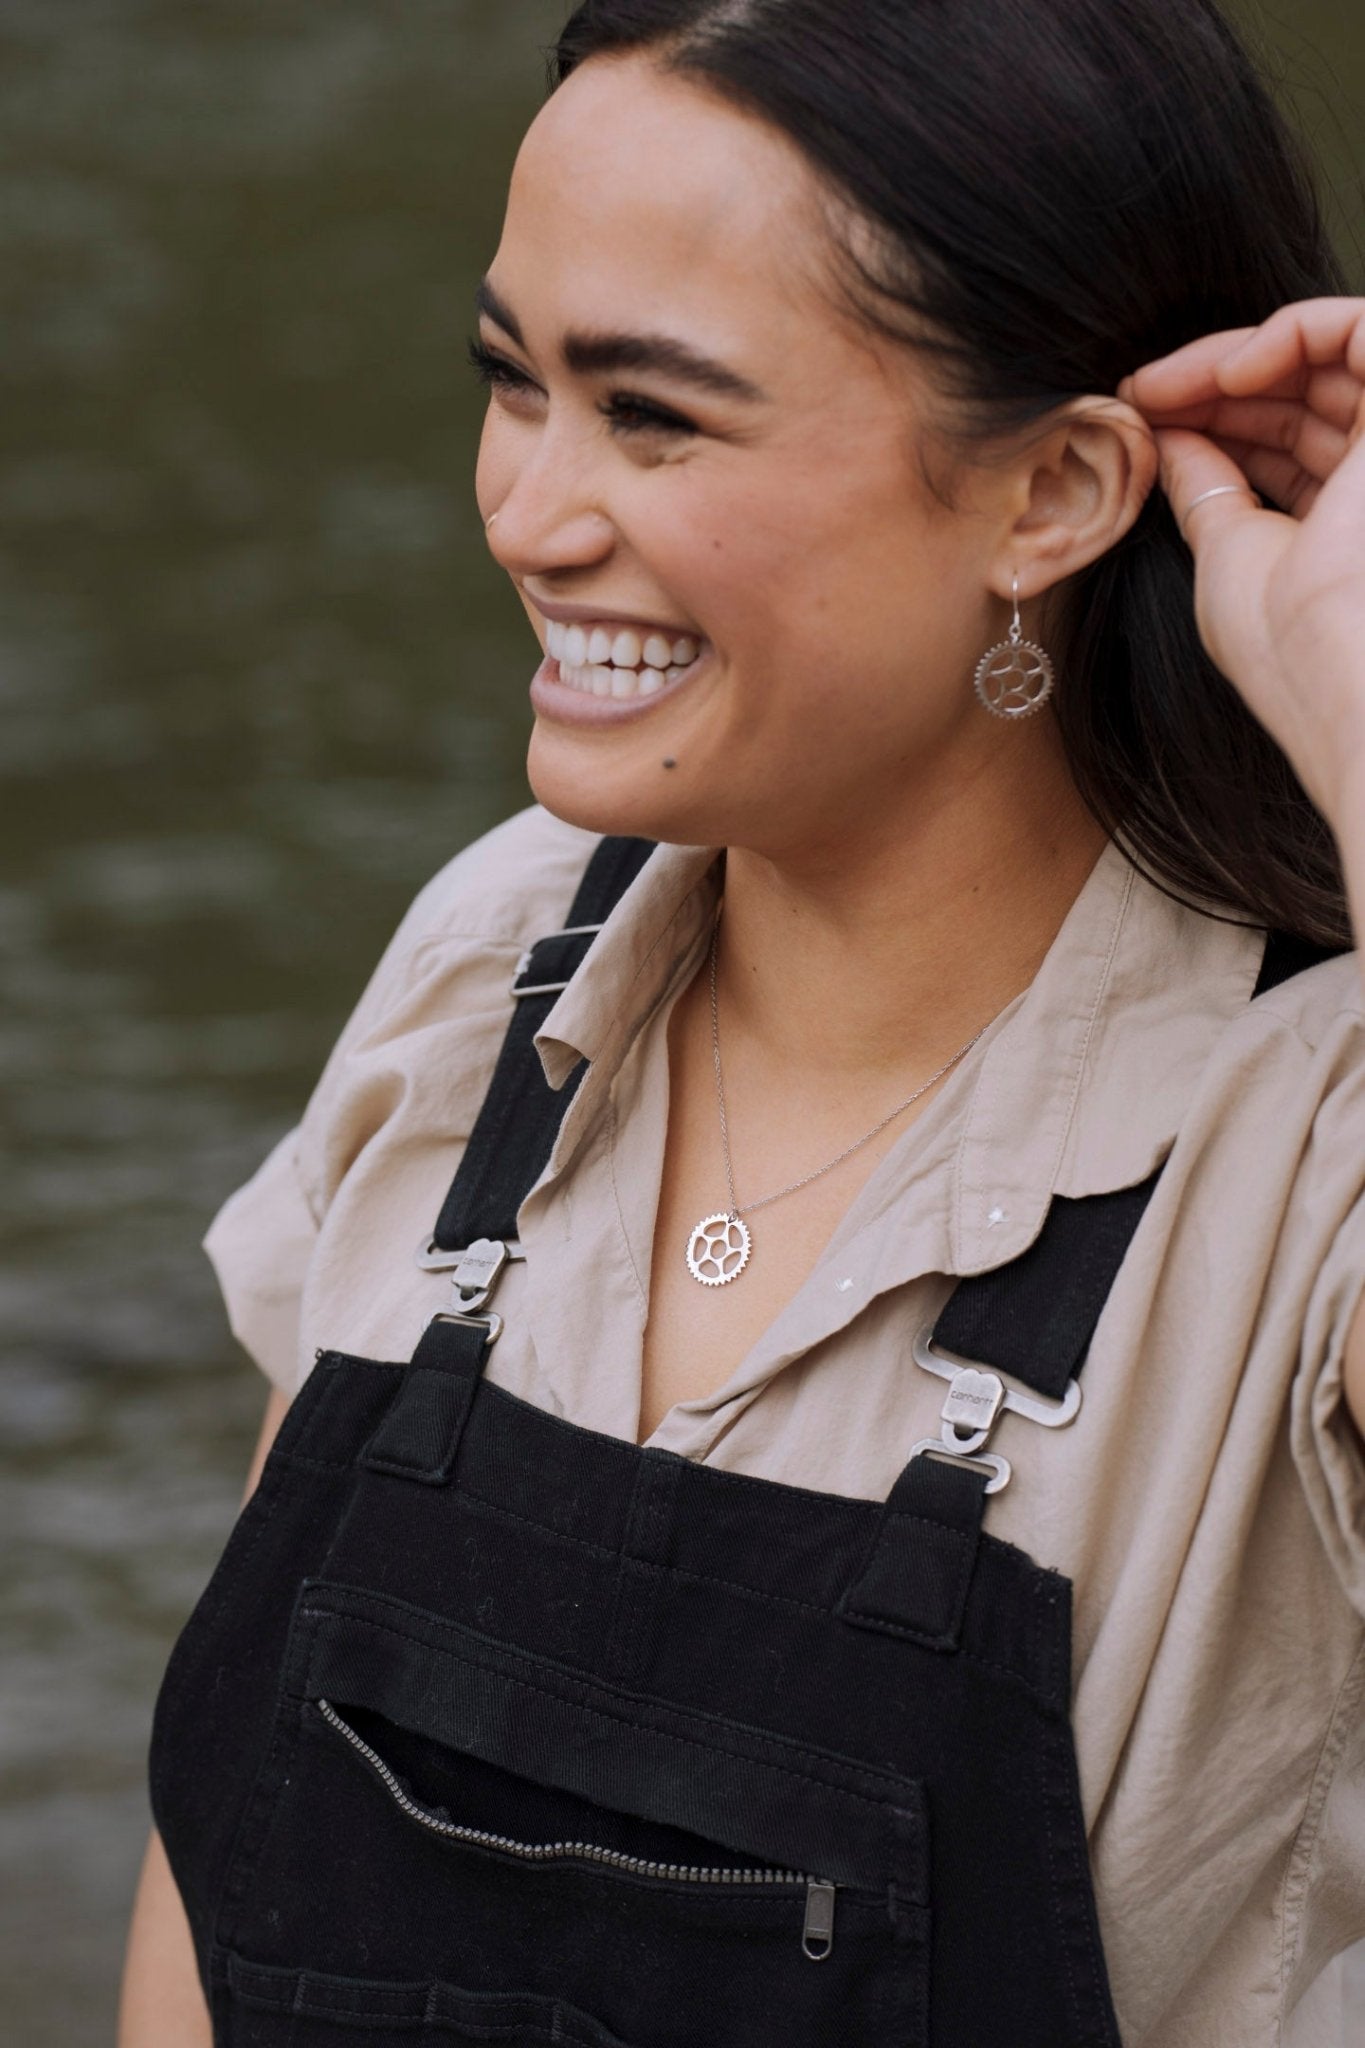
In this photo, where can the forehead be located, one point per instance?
(638, 193)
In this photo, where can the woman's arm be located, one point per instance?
(162, 2004)
(1280, 594)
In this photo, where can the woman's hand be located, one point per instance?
(1279, 593)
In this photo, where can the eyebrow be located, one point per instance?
(587, 354)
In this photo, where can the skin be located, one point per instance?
(1279, 593)
(885, 838)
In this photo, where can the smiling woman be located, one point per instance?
(742, 1596)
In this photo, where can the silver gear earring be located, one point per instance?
(1016, 678)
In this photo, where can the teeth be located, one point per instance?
(603, 664)
(598, 647)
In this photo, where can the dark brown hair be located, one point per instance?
(1062, 190)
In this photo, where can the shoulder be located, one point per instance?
(1296, 1053)
(1321, 1005)
(1284, 1080)
(414, 1057)
(509, 887)
(403, 1082)
(466, 927)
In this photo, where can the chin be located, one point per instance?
(639, 800)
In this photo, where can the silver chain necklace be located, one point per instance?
(719, 1247)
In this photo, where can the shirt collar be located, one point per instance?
(1084, 1089)
(1081, 1082)
(652, 932)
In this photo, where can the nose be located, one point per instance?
(549, 520)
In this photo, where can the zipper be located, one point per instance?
(817, 1933)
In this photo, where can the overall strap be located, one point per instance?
(1287, 955)
(1033, 1320)
(521, 1114)
(513, 1136)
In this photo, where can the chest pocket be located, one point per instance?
(622, 1883)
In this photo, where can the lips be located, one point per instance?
(600, 695)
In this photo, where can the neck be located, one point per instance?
(878, 950)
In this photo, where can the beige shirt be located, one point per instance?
(1209, 1500)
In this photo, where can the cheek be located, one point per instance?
(828, 608)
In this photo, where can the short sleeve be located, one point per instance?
(260, 1244)
(1326, 1443)
(441, 991)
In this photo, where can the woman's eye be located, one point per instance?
(623, 411)
(626, 414)
(495, 370)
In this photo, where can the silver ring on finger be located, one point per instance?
(1218, 491)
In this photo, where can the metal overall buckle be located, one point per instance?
(474, 1271)
(974, 1402)
(547, 988)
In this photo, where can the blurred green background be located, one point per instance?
(258, 679)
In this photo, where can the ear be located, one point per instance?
(1073, 493)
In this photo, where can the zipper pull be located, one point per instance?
(817, 1935)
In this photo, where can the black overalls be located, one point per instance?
(491, 1728)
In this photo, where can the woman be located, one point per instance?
(928, 446)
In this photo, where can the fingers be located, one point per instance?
(1192, 466)
(1331, 397)
(1185, 377)
(1286, 354)
(1311, 331)
(1278, 478)
(1335, 395)
(1279, 426)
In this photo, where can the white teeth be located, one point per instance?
(591, 647)
(591, 659)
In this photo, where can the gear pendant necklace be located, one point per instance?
(718, 1249)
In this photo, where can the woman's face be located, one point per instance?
(760, 624)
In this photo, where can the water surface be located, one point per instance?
(257, 681)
